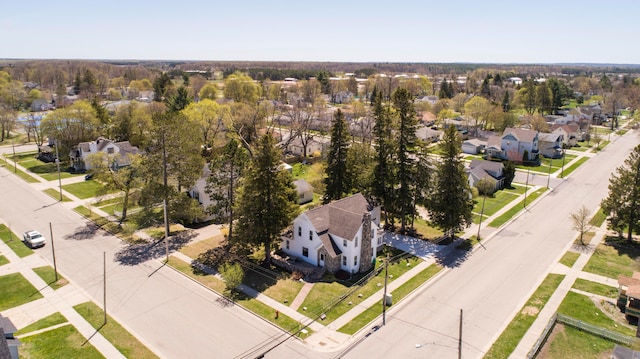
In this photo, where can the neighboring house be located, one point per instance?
(430, 99)
(198, 191)
(592, 113)
(305, 191)
(428, 134)
(41, 104)
(571, 133)
(121, 151)
(473, 146)
(316, 144)
(550, 144)
(629, 294)
(490, 171)
(342, 97)
(341, 235)
(8, 343)
(515, 144)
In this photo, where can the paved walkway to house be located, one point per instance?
(571, 274)
(61, 300)
(302, 295)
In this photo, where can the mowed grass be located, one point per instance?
(582, 308)
(312, 173)
(506, 216)
(322, 295)
(193, 250)
(614, 257)
(16, 244)
(16, 290)
(55, 194)
(595, 288)
(48, 275)
(84, 189)
(124, 341)
(569, 258)
(425, 230)
(63, 342)
(513, 333)
(46, 322)
(573, 167)
(570, 343)
(3, 260)
(48, 171)
(398, 294)
(18, 172)
(206, 279)
(493, 204)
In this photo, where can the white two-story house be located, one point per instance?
(341, 235)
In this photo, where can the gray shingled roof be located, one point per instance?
(521, 134)
(302, 186)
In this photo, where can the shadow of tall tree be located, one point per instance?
(138, 253)
(87, 231)
(452, 256)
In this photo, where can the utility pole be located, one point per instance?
(460, 337)
(164, 202)
(15, 166)
(53, 251)
(104, 281)
(526, 189)
(484, 198)
(562, 170)
(58, 164)
(549, 174)
(384, 296)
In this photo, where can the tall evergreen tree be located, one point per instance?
(506, 102)
(337, 183)
(405, 154)
(451, 204)
(484, 90)
(622, 206)
(266, 203)
(226, 173)
(383, 173)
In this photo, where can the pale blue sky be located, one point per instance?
(513, 31)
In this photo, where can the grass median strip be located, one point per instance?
(17, 246)
(574, 166)
(569, 258)
(3, 260)
(513, 333)
(49, 276)
(20, 173)
(124, 341)
(55, 194)
(374, 311)
(515, 209)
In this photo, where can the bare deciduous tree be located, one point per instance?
(580, 220)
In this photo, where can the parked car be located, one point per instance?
(34, 239)
(88, 176)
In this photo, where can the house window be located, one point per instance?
(110, 150)
(305, 252)
(380, 240)
(355, 260)
(322, 256)
(356, 242)
(299, 231)
(344, 242)
(301, 196)
(344, 261)
(310, 235)
(287, 244)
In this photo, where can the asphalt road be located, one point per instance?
(173, 315)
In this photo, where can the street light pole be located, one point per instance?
(484, 198)
(526, 189)
(562, 170)
(53, 251)
(384, 296)
(549, 174)
(15, 168)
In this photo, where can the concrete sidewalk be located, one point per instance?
(61, 300)
(571, 274)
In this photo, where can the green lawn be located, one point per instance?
(323, 294)
(25, 176)
(84, 189)
(374, 311)
(207, 280)
(596, 288)
(425, 230)
(55, 194)
(582, 308)
(46, 322)
(598, 219)
(14, 242)
(569, 258)
(572, 343)
(502, 219)
(511, 336)
(556, 164)
(16, 290)
(48, 171)
(284, 290)
(3, 260)
(63, 342)
(48, 276)
(493, 204)
(124, 341)
(614, 257)
(312, 173)
(573, 167)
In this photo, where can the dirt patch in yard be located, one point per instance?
(530, 310)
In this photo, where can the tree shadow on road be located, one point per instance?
(134, 254)
(88, 231)
(452, 256)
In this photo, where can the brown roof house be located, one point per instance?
(341, 235)
(629, 295)
(121, 152)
